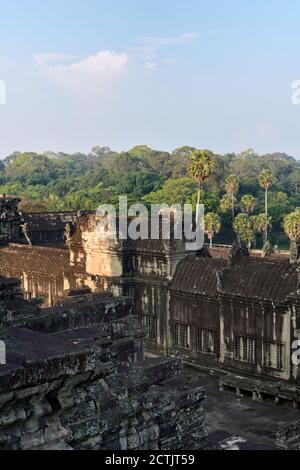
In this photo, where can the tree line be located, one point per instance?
(236, 199)
(246, 226)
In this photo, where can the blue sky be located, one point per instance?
(160, 72)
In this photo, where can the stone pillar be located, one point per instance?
(259, 396)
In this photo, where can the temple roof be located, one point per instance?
(44, 260)
(41, 221)
(258, 278)
(197, 275)
(263, 278)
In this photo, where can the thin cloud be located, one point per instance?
(186, 38)
(93, 72)
(98, 71)
(143, 52)
(148, 47)
(50, 57)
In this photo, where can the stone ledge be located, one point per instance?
(261, 388)
(35, 358)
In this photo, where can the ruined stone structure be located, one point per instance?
(48, 228)
(71, 380)
(41, 270)
(34, 249)
(11, 220)
(140, 269)
(227, 310)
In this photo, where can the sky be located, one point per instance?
(165, 73)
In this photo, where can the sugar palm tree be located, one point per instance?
(261, 224)
(200, 167)
(266, 179)
(212, 225)
(243, 227)
(53, 203)
(232, 187)
(248, 203)
(226, 203)
(291, 225)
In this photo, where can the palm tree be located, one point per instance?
(232, 187)
(261, 224)
(200, 167)
(74, 202)
(243, 227)
(225, 203)
(212, 226)
(248, 203)
(266, 179)
(53, 202)
(291, 225)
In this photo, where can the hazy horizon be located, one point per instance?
(120, 150)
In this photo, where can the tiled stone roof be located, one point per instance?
(52, 261)
(263, 278)
(259, 278)
(197, 275)
(42, 221)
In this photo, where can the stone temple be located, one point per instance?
(75, 378)
(223, 309)
(74, 375)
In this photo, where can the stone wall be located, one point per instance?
(288, 436)
(75, 378)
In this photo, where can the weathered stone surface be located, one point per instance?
(72, 381)
(215, 298)
(10, 220)
(288, 436)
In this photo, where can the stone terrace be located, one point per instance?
(71, 380)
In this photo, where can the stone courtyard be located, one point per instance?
(239, 423)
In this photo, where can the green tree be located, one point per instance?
(174, 191)
(248, 203)
(180, 158)
(30, 168)
(291, 225)
(243, 227)
(53, 203)
(126, 163)
(212, 225)
(200, 167)
(232, 186)
(138, 183)
(266, 179)
(261, 224)
(156, 160)
(226, 203)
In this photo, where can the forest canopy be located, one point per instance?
(60, 181)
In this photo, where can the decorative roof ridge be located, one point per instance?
(48, 212)
(36, 247)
